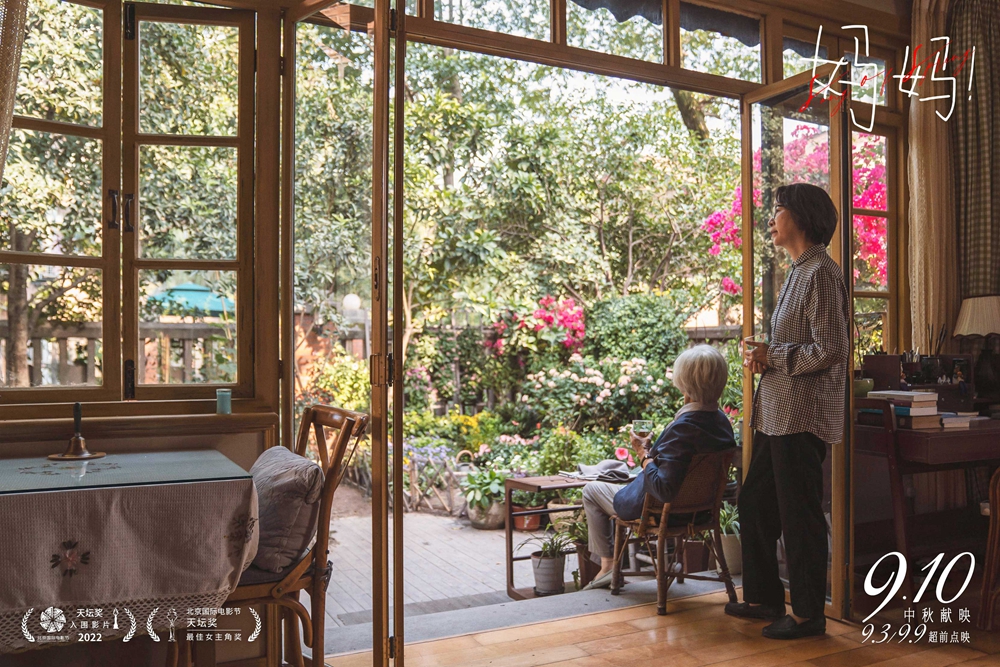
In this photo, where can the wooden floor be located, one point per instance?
(694, 632)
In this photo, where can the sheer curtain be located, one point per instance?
(933, 250)
(934, 294)
(12, 13)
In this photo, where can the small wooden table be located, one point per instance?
(915, 451)
(531, 485)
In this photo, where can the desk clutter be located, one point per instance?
(930, 391)
(917, 410)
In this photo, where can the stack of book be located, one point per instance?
(914, 409)
(957, 419)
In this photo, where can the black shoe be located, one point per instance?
(762, 612)
(787, 628)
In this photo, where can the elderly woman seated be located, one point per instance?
(699, 427)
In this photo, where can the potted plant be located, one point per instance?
(729, 525)
(579, 535)
(696, 554)
(568, 498)
(549, 562)
(484, 492)
(523, 500)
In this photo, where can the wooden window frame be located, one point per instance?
(257, 387)
(891, 334)
(243, 141)
(109, 133)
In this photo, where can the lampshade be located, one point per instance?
(352, 302)
(980, 316)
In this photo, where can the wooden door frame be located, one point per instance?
(839, 132)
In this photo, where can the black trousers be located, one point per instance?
(783, 493)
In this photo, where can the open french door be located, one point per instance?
(387, 368)
(792, 132)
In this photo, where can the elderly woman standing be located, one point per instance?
(699, 427)
(798, 408)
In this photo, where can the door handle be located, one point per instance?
(128, 212)
(113, 222)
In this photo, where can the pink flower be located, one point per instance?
(630, 462)
(621, 454)
(730, 287)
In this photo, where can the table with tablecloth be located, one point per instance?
(119, 545)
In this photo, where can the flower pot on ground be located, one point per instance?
(548, 564)
(579, 533)
(732, 549)
(484, 492)
(490, 518)
(695, 556)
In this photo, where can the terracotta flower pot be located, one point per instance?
(527, 523)
(488, 519)
(588, 568)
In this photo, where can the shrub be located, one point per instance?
(340, 380)
(484, 487)
(645, 326)
(557, 450)
(587, 395)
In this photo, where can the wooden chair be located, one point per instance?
(702, 490)
(991, 566)
(282, 588)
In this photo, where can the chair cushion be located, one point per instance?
(289, 488)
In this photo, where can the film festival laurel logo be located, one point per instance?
(93, 625)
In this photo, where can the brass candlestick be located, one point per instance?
(77, 449)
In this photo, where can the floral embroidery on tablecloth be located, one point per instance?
(63, 468)
(240, 532)
(70, 558)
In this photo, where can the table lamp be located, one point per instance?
(980, 317)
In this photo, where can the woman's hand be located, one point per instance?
(755, 357)
(640, 445)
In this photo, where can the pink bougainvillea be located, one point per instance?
(807, 159)
(561, 320)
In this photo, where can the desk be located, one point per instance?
(130, 542)
(916, 451)
(531, 485)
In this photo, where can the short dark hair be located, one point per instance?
(811, 208)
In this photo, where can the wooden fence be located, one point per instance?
(71, 354)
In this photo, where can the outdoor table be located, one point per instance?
(532, 485)
(118, 546)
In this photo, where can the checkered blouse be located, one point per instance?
(803, 386)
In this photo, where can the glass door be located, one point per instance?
(793, 133)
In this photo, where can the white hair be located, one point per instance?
(700, 373)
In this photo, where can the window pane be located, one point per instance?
(61, 75)
(870, 326)
(51, 195)
(720, 43)
(869, 176)
(798, 56)
(788, 147)
(868, 76)
(187, 327)
(870, 253)
(50, 326)
(188, 202)
(526, 18)
(635, 36)
(188, 80)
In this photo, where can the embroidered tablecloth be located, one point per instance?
(119, 546)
